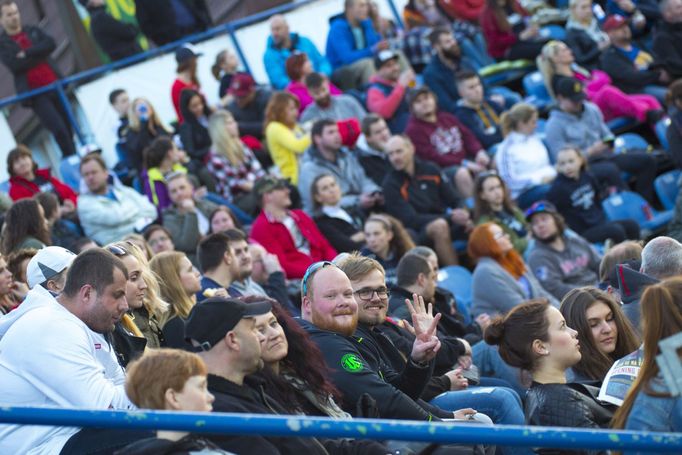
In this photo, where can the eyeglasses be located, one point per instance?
(312, 270)
(367, 293)
(116, 250)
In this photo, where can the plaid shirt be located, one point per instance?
(229, 179)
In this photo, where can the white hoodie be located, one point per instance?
(523, 162)
(50, 358)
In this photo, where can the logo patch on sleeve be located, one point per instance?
(351, 363)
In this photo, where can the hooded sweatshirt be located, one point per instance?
(581, 130)
(70, 366)
(523, 162)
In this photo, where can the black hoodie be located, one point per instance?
(631, 284)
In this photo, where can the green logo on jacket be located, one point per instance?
(351, 363)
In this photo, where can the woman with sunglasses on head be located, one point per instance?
(501, 279)
(649, 404)
(179, 281)
(493, 203)
(147, 309)
(534, 336)
(604, 332)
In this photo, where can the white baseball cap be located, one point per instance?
(47, 263)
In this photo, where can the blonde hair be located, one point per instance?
(154, 119)
(152, 301)
(519, 113)
(546, 64)
(166, 266)
(223, 142)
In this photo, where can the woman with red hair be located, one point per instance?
(298, 66)
(501, 278)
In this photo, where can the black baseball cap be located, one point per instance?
(210, 320)
(569, 87)
(540, 207)
(186, 52)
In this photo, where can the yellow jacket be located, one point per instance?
(284, 145)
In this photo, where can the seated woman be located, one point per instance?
(160, 159)
(505, 30)
(576, 195)
(298, 66)
(604, 333)
(170, 380)
(387, 242)
(501, 279)
(178, 284)
(149, 312)
(232, 164)
(8, 297)
(187, 219)
(648, 404)
(583, 34)
(63, 232)
(26, 180)
(223, 69)
(144, 126)
(158, 238)
(557, 61)
(285, 138)
(342, 228)
(25, 227)
(493, 203)
(222, 219)
(534, 336)
(194, 135)
(522, 158)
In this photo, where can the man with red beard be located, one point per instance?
(330, 315)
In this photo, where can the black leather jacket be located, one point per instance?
(567, 405)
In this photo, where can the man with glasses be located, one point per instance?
(330, 315)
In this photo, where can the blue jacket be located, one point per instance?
(441, 80)
(275, 58)
(341, 50)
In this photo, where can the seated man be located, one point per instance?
(387, 92)
(579, 123)
(667, 37)
(248, 106)
(291, 235)
(266, 272)
(219, 267)
(351, 43)
(187, 219)
(478, 113)
(416, 194)
(371, 148)
(108, 212)
(326, 106)
(446, 391)
(630, 67)
(327, 155)
(70, 363)
(560, 261)
(281, 44)
(439, 137)
(331, 323)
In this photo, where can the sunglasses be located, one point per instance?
(116, 250)
(312, 270)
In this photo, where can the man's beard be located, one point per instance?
(332, 325)
(549, 239)
(453, 53)
(324, 102)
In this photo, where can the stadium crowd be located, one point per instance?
(286, 251)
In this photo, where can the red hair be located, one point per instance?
(483, 244)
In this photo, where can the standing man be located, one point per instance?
(25, 51)
(281, 44)
(116, 38)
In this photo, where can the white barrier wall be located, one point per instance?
(8, 143)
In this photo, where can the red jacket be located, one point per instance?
(20, 188)
(468, 10)
(275, 238)
(498, 40)
(446, 142)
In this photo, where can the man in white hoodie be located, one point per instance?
(53, 354)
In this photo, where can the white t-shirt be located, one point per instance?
(50, 358)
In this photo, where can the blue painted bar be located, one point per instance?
(66, 105)
(357, 428)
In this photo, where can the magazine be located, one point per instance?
(620, 377)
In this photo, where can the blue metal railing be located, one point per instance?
(301, 426)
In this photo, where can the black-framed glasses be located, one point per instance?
(367, 293)
(312, 270)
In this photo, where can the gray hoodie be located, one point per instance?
(580, 130)
(347, 170)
